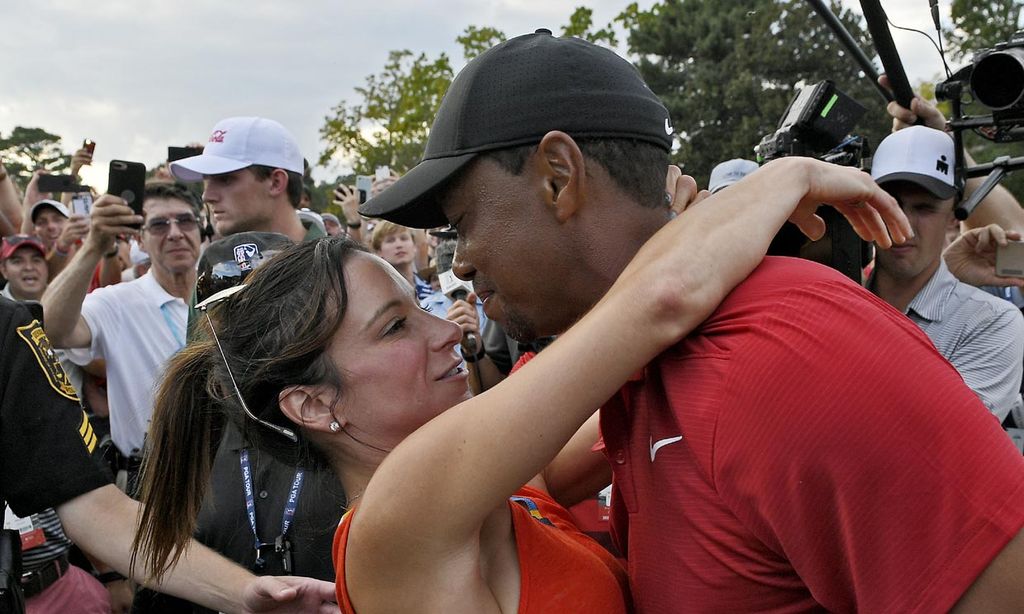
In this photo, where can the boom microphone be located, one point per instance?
(874, 14)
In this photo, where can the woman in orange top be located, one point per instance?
(326, 348)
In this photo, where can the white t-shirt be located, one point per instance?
(136, 326)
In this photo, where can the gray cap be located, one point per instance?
(729, 172)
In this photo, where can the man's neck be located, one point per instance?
(899, 292)
(287, 222)
(179, 285)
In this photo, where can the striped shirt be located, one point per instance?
(981, 335)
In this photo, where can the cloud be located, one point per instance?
(139, 76)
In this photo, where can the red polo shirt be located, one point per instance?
(807, 448)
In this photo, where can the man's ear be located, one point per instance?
(278, 182)
(559, 162)
(309, 406)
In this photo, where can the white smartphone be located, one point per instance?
(1010, 259)
(81, 203)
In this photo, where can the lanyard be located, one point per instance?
(165, 310)
(250, 500)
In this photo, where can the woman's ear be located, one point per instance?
(559, 161)
(309, 406)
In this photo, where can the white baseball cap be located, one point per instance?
(61, 209)
(729, 172)
(240, 142)
(920, 155)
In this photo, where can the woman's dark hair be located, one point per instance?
(275, 333)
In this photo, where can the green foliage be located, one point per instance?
(389, 124)
(727, 69)
(475, 40)
(581, 25)
(28, 149)
(980, 24)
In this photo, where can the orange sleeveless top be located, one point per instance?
(561, 569)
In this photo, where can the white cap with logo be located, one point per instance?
(920, 155)
(240, 142)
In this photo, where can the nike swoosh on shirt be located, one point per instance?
(661, 443)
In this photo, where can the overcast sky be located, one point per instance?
(137, 76)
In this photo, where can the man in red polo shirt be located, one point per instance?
(806, 448)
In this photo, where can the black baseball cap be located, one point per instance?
(513, 94)
(227, 262)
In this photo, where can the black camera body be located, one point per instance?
(996, 80)
(817, 124)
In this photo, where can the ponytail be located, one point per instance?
(183, 438)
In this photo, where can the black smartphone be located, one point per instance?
(60, 183)
(127, 180)
(178, 153)
(89, 145)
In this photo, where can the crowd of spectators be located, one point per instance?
(121, 295)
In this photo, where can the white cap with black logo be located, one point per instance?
(919, 155)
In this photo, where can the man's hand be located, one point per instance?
(110, 217)
(464, 314)
(74, 231)
(121, 596)
(903, 117)
(287, 594)
(682, 190)
(80, 158)
(347, 198)
(32, 193)
(972, 257)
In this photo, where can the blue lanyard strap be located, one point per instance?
(250, 499)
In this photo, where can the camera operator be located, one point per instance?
(981, 335)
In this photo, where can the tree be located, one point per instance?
(980, 24)
(581, 25)
(727, 69)
(389, 125)
(28, 149)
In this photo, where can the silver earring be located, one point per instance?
(335, 427)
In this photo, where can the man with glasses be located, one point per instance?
(136, 326)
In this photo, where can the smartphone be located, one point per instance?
(89, 145)
(1010, 259)
(81, 204)
(382, 173)
(364, 184)
(127, 180)
(60, 183)
(178, 153)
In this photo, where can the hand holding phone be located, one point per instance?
(127, 180)
(1010, 259)
(364, 185)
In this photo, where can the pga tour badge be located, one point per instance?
(245, 254)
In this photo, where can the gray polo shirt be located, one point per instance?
(981, 335)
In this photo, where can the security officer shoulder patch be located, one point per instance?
(35, 337)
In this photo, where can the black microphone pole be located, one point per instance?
(847, 41)
(879, 29)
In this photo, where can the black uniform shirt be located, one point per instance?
(46, 441)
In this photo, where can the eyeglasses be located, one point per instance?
(204, 307)
(161, 225)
